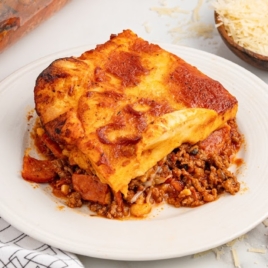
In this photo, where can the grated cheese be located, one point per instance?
(246, 21)
(240, 238)
(235, 258)
(200, 254)
(257, 250)
(201, 29)
(218, 253)
(189, 29)
(163, 2)
(168, 11)
(147, 27)
(265, 222)
(196, 16)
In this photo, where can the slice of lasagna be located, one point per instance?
(114, 113)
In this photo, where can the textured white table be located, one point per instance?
(84, 22)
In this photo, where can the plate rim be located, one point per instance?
(45, 59)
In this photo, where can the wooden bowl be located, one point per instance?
(254, 59)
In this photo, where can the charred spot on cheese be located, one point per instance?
(120, 108)
(66, 128)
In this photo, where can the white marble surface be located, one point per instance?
(84, 22)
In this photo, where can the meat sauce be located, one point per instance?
(190, 176)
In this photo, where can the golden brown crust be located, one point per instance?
(114, 106)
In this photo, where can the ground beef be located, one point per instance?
(189, 176)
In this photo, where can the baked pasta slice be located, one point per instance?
(119, 109)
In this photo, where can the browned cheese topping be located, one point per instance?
(128, 125)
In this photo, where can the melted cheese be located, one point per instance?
(120, 108)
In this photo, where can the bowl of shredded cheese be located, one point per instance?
(243, 26)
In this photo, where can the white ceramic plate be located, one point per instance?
(169, 232)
